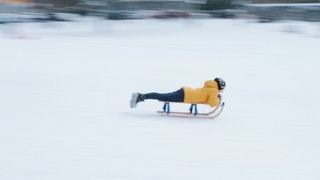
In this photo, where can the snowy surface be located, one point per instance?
(65, 90)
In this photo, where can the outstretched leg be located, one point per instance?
(176, 96)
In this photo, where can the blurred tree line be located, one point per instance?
(88, 5)
(207, 4)
(123, 9)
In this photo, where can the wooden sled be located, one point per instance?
(193, 111)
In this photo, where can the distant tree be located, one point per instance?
(59, 3)
(217, 4)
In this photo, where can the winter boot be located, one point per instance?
(136, 98)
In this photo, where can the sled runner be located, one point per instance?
(193, 111)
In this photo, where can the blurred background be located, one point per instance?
(12, 11)
(68, 68)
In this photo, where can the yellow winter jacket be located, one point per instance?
(208, 94)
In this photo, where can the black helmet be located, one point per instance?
(221, 83)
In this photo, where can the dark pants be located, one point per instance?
(176, 96)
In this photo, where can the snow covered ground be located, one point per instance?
(65, 90)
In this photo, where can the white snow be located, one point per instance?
(65, 90)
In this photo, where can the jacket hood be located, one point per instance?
(211, 84)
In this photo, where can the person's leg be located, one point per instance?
(176, 96)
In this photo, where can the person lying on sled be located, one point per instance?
(208, 94)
